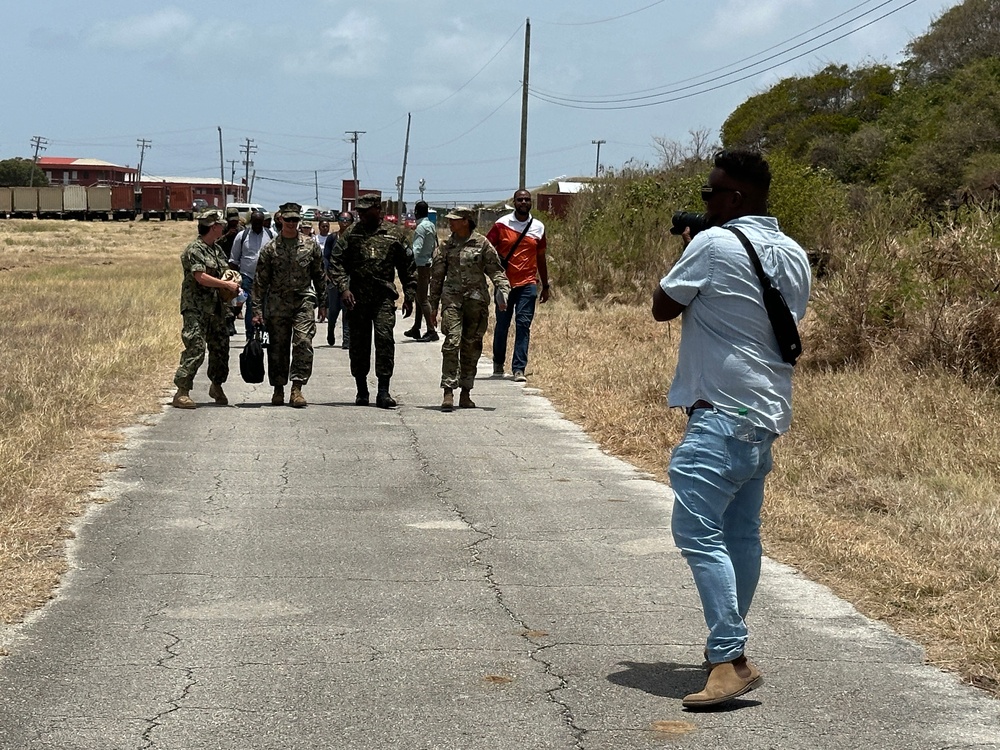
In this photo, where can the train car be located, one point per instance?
(123, 202)
(74, 200)
(154, 202)
(99, 202)
(181, 204)
(50, 202)
(25, 202)
(6, 202)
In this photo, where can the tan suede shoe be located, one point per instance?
(217, 394)
(465, 400)
(726, 681)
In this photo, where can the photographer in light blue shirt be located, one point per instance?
(737, 391)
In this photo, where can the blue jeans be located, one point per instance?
(247, 284)
(521, 307)
(333, 309)
(717, 474)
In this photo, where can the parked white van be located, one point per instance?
(244, 209)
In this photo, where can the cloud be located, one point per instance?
(158, 29)
(354, 47)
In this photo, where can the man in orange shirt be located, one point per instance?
(519, 239)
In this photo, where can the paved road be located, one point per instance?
(345, 577)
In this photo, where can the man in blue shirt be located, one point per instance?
(737, 391)
(425, 241)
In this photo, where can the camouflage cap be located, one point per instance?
(369, 200)
(462, 212)
(290, 211)
(208, 218)
(229, 275)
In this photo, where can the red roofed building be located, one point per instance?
(67, 171)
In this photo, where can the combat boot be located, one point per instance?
(448, 402)
(296, 398)
(182, 400)
(384, 401)
(465, 400)
(216, 392)
(278, 397)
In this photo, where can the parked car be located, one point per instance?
(199, 204)
(244, 209)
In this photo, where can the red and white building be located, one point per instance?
(62, 170)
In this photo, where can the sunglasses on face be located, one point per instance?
(707, 191)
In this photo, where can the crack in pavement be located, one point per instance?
(478, 559)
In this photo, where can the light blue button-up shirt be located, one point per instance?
(728, 353)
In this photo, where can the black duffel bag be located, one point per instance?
(252, 360)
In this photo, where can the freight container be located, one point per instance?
(123, 200)
(74, 202)
(25, 201)
(181, 202)
(6, 202)
(50, 202)
(99, 201)
(154, 201)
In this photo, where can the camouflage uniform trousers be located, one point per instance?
(201, 331)
(363, 319)
(291, 335)
(463, 325)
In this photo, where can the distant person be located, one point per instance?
(267, 220)
(363, 266)
(736, 389)
(204, 305)
(290, 280)
(425, 241)
(306, 229)
(243, 258)
(458, 286)
(333, 304)
(520, 242)
(323, 233)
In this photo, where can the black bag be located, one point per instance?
(782, 320)
(252, 360)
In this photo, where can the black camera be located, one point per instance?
(682, 219)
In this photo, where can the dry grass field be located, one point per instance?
(887, 488)
(90, 335)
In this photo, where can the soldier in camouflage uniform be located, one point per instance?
(363, 266)
(458, 284)
(204, 311)
(288, 286)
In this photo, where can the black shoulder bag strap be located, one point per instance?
(506, 258)
(782, 320)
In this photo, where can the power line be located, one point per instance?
(661, 87)
(584, 104)
(603, 20)
(459, 137)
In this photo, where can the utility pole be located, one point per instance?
(143, 144)
(316, 183)
(39, 143)
(248, 150)
(354, 162)
(524, 106)
(253, 178)
(402, 177)
(232, 169)
(597, 169)
(222, 169)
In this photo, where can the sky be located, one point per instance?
(297, 77)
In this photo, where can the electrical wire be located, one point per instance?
(602, 20)
(456, 138)
(582, 104)
(732, 64)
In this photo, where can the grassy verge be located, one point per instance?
(90, 333)
(887, 488)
